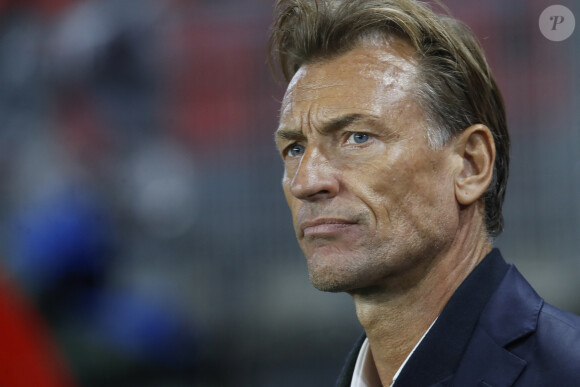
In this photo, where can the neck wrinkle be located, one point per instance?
(395, 318)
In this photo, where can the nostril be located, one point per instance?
(319, 194)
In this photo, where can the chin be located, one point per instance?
(340, 269)
(329, 279)
(329, 286)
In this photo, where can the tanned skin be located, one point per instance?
(378, 211)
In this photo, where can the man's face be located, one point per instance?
(372, 202)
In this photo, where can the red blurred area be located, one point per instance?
(28, 357)
(210, 80)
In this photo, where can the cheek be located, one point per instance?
(409, 192)
(429, 203)
(390, 181)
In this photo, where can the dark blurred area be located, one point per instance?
(141, 211)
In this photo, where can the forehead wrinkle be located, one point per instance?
(387, 70)
(304, 95)
(334, 122)
(307, 93)
(303, 102)
(317, 108)
(309, 128)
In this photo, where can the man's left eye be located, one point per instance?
(358, 138)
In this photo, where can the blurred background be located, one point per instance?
(145, 240)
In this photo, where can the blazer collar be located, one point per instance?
(441, 351)
(513, 311)
(492, 308)
(511, 314)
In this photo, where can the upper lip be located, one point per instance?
(317, 222)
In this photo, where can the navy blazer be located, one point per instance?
(494, 331)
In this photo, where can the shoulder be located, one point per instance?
(559, 331)
(545, 337)
(559, 319)
(552, 353)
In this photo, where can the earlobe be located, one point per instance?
(476, 147)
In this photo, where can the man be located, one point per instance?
(396, 152)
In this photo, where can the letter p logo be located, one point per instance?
(557, 20)
(557, 23)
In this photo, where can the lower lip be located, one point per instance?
(326, 229)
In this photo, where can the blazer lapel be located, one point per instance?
(511, 314)
(469, 345)
(487, 364)
(440, 353)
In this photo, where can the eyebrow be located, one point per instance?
(327, 127)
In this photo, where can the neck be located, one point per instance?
(395, 317)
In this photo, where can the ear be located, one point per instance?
(476, 147)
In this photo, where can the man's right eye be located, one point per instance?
(295, 150)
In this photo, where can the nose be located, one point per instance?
(315, 178)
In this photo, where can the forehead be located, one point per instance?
(361, 79)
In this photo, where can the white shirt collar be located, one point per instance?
(365, 372)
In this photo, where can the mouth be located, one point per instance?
(324, 227)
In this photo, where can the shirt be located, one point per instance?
(365, 372)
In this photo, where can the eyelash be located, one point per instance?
(352, 134)
(289, 148)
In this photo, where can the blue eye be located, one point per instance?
(359, 137)
(295, 150)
